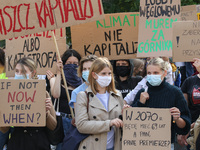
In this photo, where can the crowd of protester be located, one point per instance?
(111, 87)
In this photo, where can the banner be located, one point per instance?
(22, 103)
(115, 37)
(39, 46)
(22, 17)
(198, 8)
(186, 41)
(155, 27)
(189, 13)
(146, 128)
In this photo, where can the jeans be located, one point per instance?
(66, 125)
(3, 139)
(110, 148)
(172, 146)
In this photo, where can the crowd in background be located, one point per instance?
(111, 86)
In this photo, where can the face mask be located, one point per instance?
(85, 75)
(123, 71)
(103, 81)
(21, 76)
(71, 76)
(154, 80)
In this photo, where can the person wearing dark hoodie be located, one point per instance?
(123, 70)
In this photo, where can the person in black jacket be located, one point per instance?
(123, 70)
(161, 94)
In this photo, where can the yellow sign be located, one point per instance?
(198, 16)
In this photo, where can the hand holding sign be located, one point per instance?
(48, 104)
(197, 64)
(116, 122)
(144, 96)
(59, 65)
(175, 112)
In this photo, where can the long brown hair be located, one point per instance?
(98, 65)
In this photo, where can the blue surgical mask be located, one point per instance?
(154, 80)
(21, 76)
(85, 75)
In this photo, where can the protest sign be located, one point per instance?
(115, 37)
(186, 41)
(22, 103)
(155, 27)
(24, 17)
(146, 128)
(39, 46)
(198, 8)
(189, 13)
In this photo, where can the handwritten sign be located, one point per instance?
(189, 13)
(146, 128)
(22, 102)
(155, 27)
(186, 41)
(39, 46)
(22, 17)
(198, 8)
(115, 37)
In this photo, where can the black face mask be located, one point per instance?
(122, 71)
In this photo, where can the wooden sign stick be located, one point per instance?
(63, 75)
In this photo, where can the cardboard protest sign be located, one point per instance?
(186, 41)
(189, 13)
(22, 102)
(24, 17)
(39, 46)
(146, 128)
(155, 27)
(198, 12)
(115, 37)
(198, 8)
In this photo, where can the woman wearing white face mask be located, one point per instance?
(161, 94)
(104, 108)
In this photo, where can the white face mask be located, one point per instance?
(103, 81)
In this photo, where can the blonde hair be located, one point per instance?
(163, 65)
(28, 62)
(98, 65)
(83, 60)
(137, 63)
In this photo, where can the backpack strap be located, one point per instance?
(87, 100)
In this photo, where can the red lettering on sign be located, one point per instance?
(27, 16)
(2, 24)
(20, 96)
(4, 10)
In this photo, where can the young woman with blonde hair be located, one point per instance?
(31, 138)
(104, 108)
(161, 94)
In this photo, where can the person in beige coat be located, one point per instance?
(104, 109)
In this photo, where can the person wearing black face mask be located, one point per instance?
(123, 70)
(69, 63)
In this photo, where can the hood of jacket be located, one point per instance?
(130, 65)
